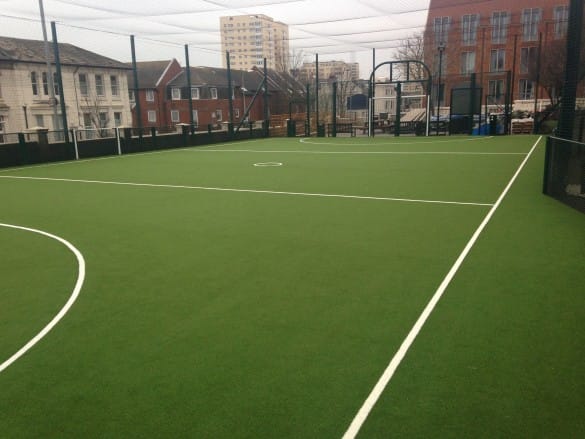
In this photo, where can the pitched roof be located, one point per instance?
(149, 73)
(33, 51)
(249, 79)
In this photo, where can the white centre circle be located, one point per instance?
(268, 164)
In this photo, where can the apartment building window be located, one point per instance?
(175, 93)
(195, 117)
(467, 63)
(117, 118)
(496, 91)
(114, 85)
(527, 58)
(237, 113)
(34, 83)
(131, 96)
(441, 29)
(469, 25)
(530, 20)
(83, 88)
(99, 85)
(526, 89)
(500, 22)
(39, 120)
(175, 116)
(218, 115)
(152, 116)
(497, 60)
(45, 83)
(561, 19)
(213, 92)
(150, 95)
(195, 92)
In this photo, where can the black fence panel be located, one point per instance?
(564, 173)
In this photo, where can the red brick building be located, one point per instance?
(164, 95)
(490, 39)
(153, 77)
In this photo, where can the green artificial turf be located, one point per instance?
(227, 314)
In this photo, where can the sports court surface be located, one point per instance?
(277, 288)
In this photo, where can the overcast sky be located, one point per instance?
(336, 29)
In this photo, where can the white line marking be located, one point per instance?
(257, 191)
(298, 151)
(267, 164)
(66, 307)
(427, 142)
(372, 398)
(134, 154)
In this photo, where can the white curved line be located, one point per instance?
(66, 307)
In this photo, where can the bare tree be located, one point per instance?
(412, 49)
(99, 114)
(551, 74)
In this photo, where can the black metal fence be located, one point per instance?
(564, 173)
(45, 147)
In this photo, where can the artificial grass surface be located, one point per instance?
(228, 314)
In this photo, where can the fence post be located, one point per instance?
(22, 149)
(117, 129)
(74, 135)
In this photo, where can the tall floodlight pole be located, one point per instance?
(53, 101)
(441, 49)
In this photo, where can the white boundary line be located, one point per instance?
(383, 381)
(66, 307)
(298, 151)
(256, 191)
(134, 154)
(427, 142)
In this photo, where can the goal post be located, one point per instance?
(398, 96)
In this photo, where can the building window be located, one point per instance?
(45, 83)
(527, 58)
(237, 113)
(99, 85)
(500, 23)
(530, 20)
(175, 116)
(152, 116)
(34, 83)
(56, 84)
(496, 91)
(194, 92)
(218, 115)
(441, 29)
(103, 118)
(526, 89)
(83, 89)
(150, 95)
(114, 85)
(195, 117)
(175, 93)
(87, 121)
(213, 92)
(469, 24)
(497, 60)
(561, 18)
(467, 63)
(131, 96)
(39, 120)
(117, 118)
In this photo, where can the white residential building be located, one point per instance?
(251, 38)
(95, 88)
